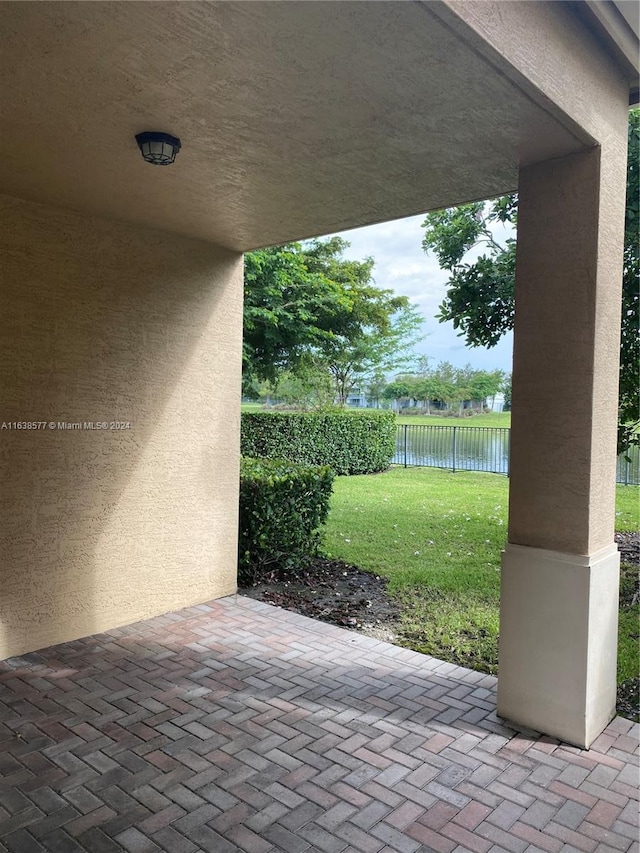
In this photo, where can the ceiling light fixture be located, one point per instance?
(158, 148)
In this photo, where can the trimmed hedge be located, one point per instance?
(282, 506)
(350, 442)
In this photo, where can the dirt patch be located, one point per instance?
(628, 704)
(629, 547)
(333, 592)
(344, 595)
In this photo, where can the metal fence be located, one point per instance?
(628, 468)
(476, 449)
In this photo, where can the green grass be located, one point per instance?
(492, 419)
(629, 625)
(627, 507)
(437, 537)
(628, 651)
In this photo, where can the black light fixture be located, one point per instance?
(158, 148)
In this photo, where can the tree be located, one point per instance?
(356, 357)
(446, 385)
(375, 385)
(452, 386)
(287, 309)
(397, 391)
(428, 389)
(506, 390)
(629, 416)
(484, 384)
(307, 308)
(306, 388)
(479, 298)
(480, 295)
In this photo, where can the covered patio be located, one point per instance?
(122, 304)
(236, 727)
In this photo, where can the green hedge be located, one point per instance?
(350, 442)
(282, 506)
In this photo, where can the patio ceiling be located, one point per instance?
(296, 118)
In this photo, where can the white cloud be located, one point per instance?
(403, 266)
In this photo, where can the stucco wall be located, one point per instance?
(548, 50)
(566, 351)
(104, 322)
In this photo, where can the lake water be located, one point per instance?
(475, 449)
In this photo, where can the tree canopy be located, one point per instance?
(480, 295)
(629, 420)
(448, 385)
(310, 312)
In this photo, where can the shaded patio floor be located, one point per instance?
(236, 726)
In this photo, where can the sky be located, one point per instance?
(402, 266)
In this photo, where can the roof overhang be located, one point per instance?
(618, 24)
(296, 118)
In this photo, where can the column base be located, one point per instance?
(558, 641)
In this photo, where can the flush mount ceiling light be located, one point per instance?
(158, 148)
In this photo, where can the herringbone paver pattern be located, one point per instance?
(236, 726)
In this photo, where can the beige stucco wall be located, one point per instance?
(546, 49)
(106, 322)
(566, 350)
(569, 272)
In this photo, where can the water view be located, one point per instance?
(476, 449)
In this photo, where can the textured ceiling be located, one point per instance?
(296, 118)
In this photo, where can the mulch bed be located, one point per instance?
(348, 597)
(629, 547)
(333, 592)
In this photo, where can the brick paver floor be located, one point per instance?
(236, 726)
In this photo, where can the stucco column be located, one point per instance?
(560, 571)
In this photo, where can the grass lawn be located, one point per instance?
(492, 419)
(437, 536)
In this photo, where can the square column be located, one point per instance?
(560, 570)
